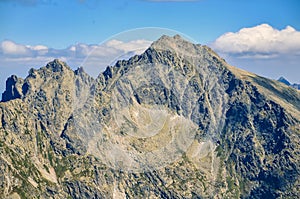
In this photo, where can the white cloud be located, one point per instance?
(111, 48)
(11, 48)
(94, 58)
(38, 47)
(131, 46)
(100, 56)
(262, 41)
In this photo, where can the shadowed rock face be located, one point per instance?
(13, 90)
(174, 122)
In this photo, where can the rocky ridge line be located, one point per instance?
(246, 144)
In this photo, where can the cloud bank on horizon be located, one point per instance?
(262, 41)
(10, 49)
(100, 55)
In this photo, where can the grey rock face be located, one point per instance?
(174, 122)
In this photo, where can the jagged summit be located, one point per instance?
(171, 50)
(283, 80)
(57, 66)
(167, 42)
(181, 45)
(177, 44)
(55, 72)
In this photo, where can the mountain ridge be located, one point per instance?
(181, 123)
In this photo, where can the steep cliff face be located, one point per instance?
(174, 122)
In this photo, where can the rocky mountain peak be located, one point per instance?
(57, 66)
(79, 70)
(169, 41)
(13, 88)
(54, 76)
(175, 43)
(283, 80)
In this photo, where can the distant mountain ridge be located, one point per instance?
(174, 122)
(286, 82)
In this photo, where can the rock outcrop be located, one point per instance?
(174, 122)
(13, 89)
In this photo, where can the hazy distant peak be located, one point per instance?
(286, 82)
(283, 80)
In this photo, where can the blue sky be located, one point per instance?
(58, 25)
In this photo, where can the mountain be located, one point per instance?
(283, 80)
(296, 86)
(286, 82)
(174, 122)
